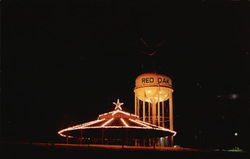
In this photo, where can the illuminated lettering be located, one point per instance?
(159, 80)
(164, 80)
(148, 80)
(152, 80)
(143, 80)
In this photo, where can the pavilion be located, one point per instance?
(117, 127)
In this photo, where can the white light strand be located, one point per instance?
(103, 125)
(124, 122)
(140, 123)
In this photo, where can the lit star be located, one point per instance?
(118, 105)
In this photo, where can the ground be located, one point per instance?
(61, 151)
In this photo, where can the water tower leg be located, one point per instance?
(171, 118)
(158, 114)
(149, 112)
(138, 107)
(144, 115)
(135, 105)
(163, 114)
(154, 112)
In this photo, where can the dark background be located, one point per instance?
(65, 62)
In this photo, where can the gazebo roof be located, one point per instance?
(115, 124)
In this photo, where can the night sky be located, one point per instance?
(65, 62)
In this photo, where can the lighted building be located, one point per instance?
(117, 127)
(154, 102)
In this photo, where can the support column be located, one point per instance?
(149, 112)
(163, 114)
(158, 113)
(154, 113)
(138, 107)
(102, 136)
(81, 137)
(171, 118)
(154, 142)
(135, 105)
(144, 114)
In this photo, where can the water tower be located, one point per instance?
(153, 100)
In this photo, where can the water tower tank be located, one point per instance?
(152, 87)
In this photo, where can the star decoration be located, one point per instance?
(118, 105)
